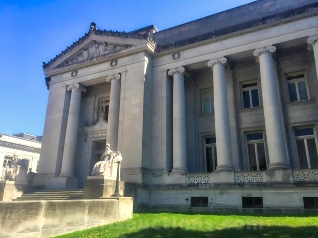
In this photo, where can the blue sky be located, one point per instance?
(35, 31)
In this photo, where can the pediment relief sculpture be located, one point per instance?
(94, 51)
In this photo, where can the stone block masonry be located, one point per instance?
(50, 218)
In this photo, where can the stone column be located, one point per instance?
(113, 114)
(67, 169)
(179, 122)
(271, 103)
(222, 123)
(313, 42)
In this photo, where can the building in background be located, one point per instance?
(217, 112)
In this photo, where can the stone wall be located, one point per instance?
(50, 218)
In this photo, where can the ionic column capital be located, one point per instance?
(221, 60)
(312, 39)
(76, 86)
(266, 49)
(179, 70)
(113, 77)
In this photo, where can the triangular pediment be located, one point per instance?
(98, 46)
(94, 50)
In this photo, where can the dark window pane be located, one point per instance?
(312, 150)
(209, 165)
(255, 136)
(212, 104)
(210, 140)
(249, 85)
(106, 112)
(252, 157)
(299, 76)
(302, 154)
(215, 158)
(292, 92)
(302, 90)
(304, 131)
(255, 99)
(246, 99)
(261, 156)
(207, 108)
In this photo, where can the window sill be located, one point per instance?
(301, 102)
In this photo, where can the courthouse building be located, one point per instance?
(218, 112)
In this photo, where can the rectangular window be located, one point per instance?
(103, 109)
(207, 101)
(7, 162)
(310, 202)
(250, 97)
(306, 142)
(252, 202)
(297, 87)
(199, 201)
(210, 155)
(256, 151)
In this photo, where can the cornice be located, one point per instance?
(213, 39)
(19, 147)
(147, 35)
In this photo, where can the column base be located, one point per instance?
(179, 171)
(278, 166)
(55, 183)
(222, 168)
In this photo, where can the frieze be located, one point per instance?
(19, 147)
(94, 51)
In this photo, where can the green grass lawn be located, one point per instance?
(149, 225)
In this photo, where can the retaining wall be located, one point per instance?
(49, 218)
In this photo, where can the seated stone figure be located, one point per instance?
(104, 167)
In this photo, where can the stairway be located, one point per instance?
(51, 195)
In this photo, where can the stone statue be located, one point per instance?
(105, 166)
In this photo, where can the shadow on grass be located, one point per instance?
(252, 213)
(248, 231)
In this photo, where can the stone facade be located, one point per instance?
(206, 108)
(19, 158)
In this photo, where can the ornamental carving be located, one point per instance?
(19, 147)
(179, 70)
(198, 178)
(176, 55)
(94, 51)
(101, 125)
(112, 77)
(76, 86)
(306, 176)
(255, 177)
(266, 49)
(312, 39)
(221, 60)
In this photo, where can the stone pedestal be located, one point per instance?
(100, 186)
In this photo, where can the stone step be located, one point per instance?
(51, 195)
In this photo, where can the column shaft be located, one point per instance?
(1, 163)
(271, 104)
(67, 169)
(113, 114)
(222, 123)
(313, 42)
(179, 122)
